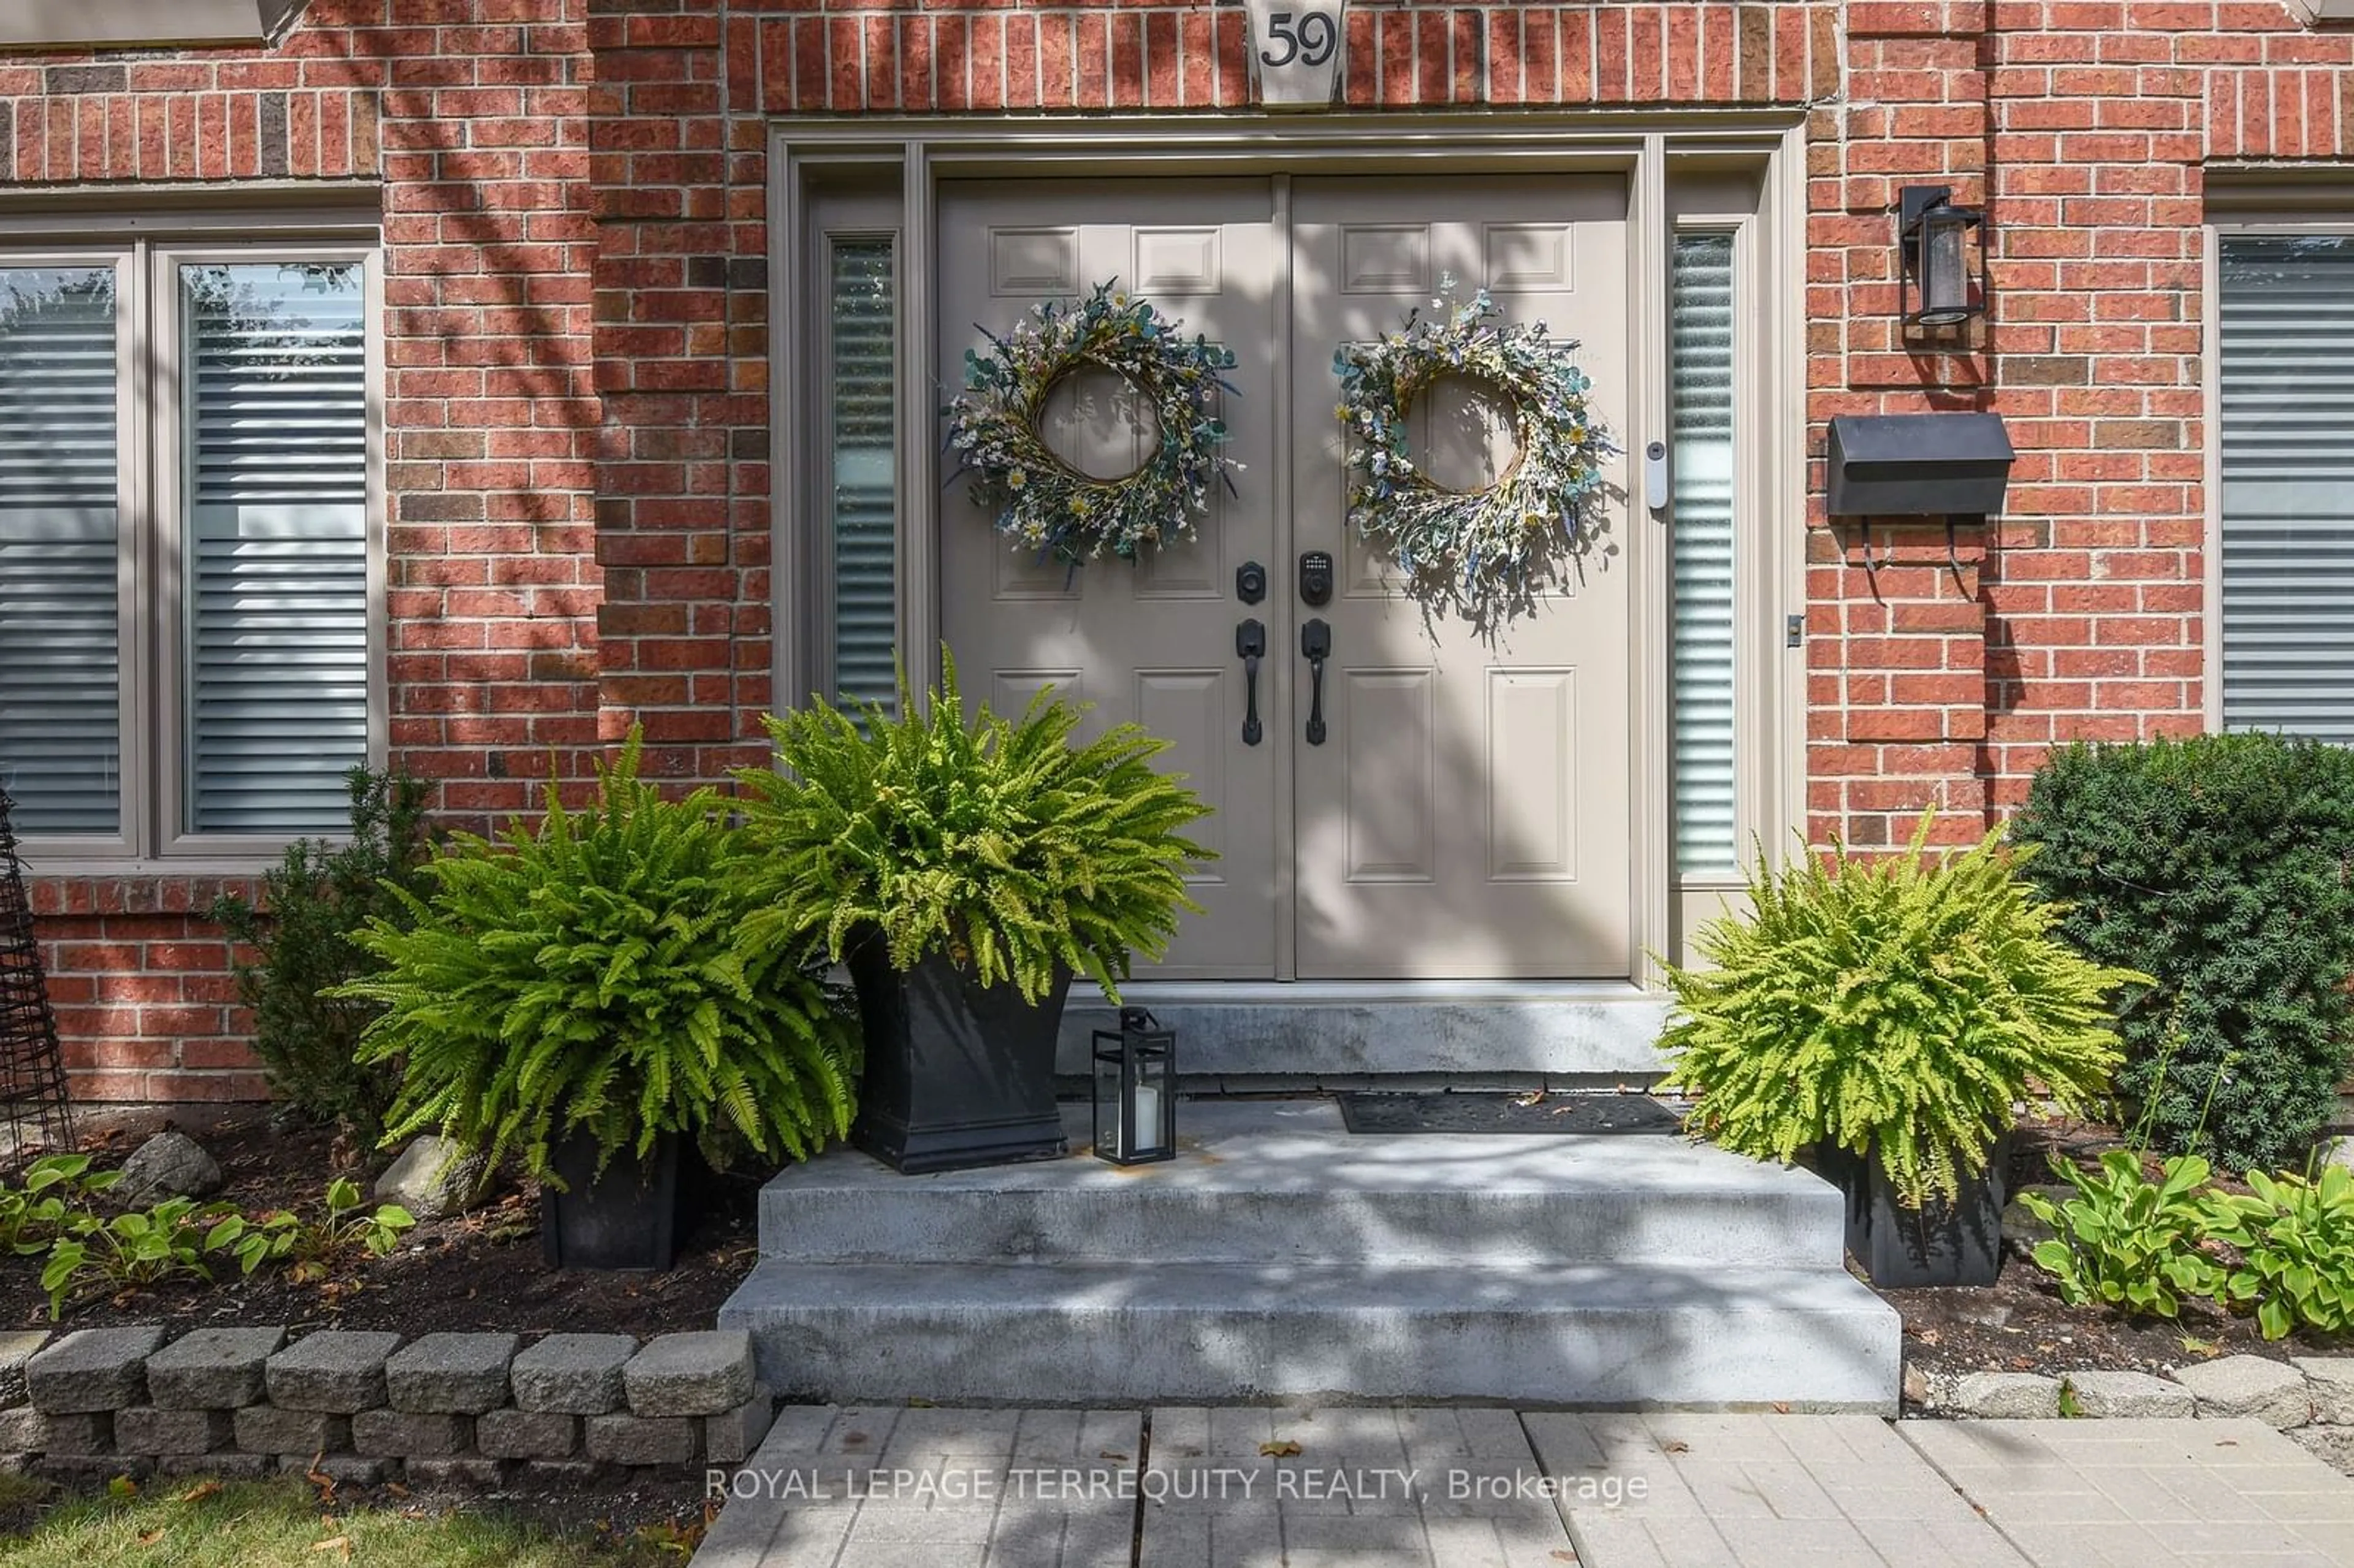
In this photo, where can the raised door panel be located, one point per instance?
(1492, 839)
(1154, 640)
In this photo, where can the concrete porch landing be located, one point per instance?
(1281, 1257)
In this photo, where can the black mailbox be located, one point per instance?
(1919, 465)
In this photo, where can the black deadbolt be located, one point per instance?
(1250, 582)
(1316, 577)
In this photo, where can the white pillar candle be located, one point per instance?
(1146, 1132)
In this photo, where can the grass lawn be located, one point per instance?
(284, 1524)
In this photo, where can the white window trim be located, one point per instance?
(2253, 220)
(148, 604)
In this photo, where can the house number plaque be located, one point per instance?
(1295, 49)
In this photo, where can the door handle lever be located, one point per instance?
(1316, 645)
(1250, 646)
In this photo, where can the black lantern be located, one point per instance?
(1135, 1090)
(1942, 287)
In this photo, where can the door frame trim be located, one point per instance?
(1645, 147)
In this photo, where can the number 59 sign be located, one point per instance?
(1295, 47)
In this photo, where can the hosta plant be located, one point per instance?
(2126, 1241)
(311, 1247)
(54, 1188)
(598, 973)
(99, 1255)
(1895, 1007)
(1006, 845)
(2296, 1242)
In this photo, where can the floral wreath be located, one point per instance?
(1482, 555)
(1040, 501)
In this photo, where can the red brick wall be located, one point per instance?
(576, 244)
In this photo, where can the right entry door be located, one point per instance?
(1467, 814)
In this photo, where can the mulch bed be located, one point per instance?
(479, 1271)
(2020, 1324)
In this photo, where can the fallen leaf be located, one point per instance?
(1533, 1098)
(341, 1544)
(915, 1403)
(1283, 1448)
(123, 1486)
(1116, 1458)
(1781, 1407)
(1558, 1555)
(1675, 1446)
(396, 1488)
(150, 1537)
(200, 1492)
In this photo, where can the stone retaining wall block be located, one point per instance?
(643, 1439)
(572, 1375)
(212, 1369)
(142, 1429)
(468, 1473)
(403, 1434)
(267, 1429)
(527, 1435)
(706, 1373)
(2252, 1387)
(460, 1374)
(16, 1350)
(80, 1432)
(728, 1438)
(93, 1369)
(339, 1371)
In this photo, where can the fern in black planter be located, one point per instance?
(587, 994)
(965, 869)
(1887, 1014)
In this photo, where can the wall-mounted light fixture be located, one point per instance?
(1944, 284)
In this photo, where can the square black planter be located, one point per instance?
(1902, 1248)
(958, 1073)
(632, 1216)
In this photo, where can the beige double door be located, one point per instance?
(1466, 813)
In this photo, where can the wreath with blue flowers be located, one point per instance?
(1482, 555)
(1041, 501)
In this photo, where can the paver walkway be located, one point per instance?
(1430, 1488)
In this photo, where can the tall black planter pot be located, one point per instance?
(632, 1216)
(957, 1074)
(1901, 1248)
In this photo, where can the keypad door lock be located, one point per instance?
(1316, 577)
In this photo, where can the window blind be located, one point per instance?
(864, 502)
(276, 543)
(60, 706)
(1701, 522)
(2287, 370)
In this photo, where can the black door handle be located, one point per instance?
(1250, 644)
(1315, 643)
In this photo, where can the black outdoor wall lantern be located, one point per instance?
(1135, 1090)
(1944, 286)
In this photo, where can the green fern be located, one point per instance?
(1005, 845)
(600, 973)
(1896, 1006)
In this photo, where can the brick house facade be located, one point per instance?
(576, 334)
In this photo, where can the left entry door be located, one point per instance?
(1154, 642)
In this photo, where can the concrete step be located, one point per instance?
(1282, 1181)
(1243, 1034)
(1093, 1333)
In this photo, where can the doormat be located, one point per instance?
(1445, 1111)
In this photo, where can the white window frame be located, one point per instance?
(152, 614)
(2239, 211)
